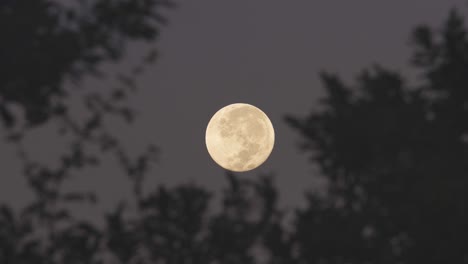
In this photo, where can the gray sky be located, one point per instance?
(264, 52)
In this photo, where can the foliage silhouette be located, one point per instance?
(396, 160)
(48, 41)
(50, 49)
(394, 156)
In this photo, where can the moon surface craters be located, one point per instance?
(240, 137)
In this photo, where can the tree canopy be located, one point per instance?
(396, 160)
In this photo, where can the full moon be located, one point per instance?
(240, 137)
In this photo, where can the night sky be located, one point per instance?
(263, 52)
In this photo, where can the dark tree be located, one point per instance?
(48, 49)
(396, 160)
